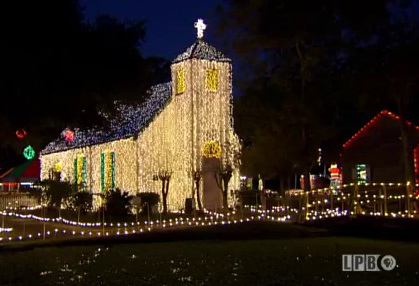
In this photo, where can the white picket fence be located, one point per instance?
(14, 200)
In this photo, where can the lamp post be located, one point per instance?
(43, 214)
(103, 213)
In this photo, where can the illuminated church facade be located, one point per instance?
(180, 125)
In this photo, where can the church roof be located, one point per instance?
(203, 51)
(130, 121)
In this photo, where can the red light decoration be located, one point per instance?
(334, 171)
(373, 122)
(68, 134)
(416, 164)
(21, 133)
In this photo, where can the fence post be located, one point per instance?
(354, 200)
(408, 193)
(385, 199)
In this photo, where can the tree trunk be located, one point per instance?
(407, 155)
(307, 185)
(166, 192)
(225, 193)
(304, 142)
(164, 203)
(302, 71)
(164, 195)
(198, 194)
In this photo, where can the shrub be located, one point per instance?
(152, 199)
(57, 192)
(83, 200)
(118, 203)
(35, 193)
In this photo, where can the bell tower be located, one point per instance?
(202, 96)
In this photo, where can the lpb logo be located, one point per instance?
(368, 262)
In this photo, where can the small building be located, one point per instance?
(375, 153)
(185, 126)
(25, 174)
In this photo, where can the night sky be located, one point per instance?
(170, 24)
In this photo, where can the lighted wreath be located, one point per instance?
(58, 167)
(21, 133)
(68, 135)
(29, 152)
(212, 149)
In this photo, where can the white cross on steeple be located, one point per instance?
(200, 26)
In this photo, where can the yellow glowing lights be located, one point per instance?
(108, 171)
(180, 81)
(81, 170)
(211, 79)
(196, 124)
(212, 150)
(58, 167)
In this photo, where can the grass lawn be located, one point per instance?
(274, 261)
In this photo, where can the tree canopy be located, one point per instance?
(59, 70)
(312, 72)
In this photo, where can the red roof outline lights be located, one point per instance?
(372, 123)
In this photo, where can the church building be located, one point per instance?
(183, 125)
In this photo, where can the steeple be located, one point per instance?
(200, 49)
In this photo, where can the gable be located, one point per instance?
(384, 128)
(130, 121)
(203, 51)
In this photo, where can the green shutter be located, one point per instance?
(113, 169)
(84, 172)
(102, 171)
(75, 170)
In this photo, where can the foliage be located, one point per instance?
(83, 200)
(92, 64)
(222, 177)
(57, 192)
(118, 203)
(295, 55)
(148, 200)
(36, 193)
(197, 177)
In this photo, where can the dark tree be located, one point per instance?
(222, 178)
(164, 176)
(118, 203)
(297, 50)
(197, 177)
(59, 70)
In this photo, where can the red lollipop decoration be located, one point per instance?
(21, 133)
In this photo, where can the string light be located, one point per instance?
(211, 80)
(180, 81)
(203, 51)
(68, 135)
(212, 150)
(200, 27)
(136, 228)
(58, 167)
(165, 134)
(29, 152)
(80, 170)
(21, 133)
(372, 123)
(416, 166)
